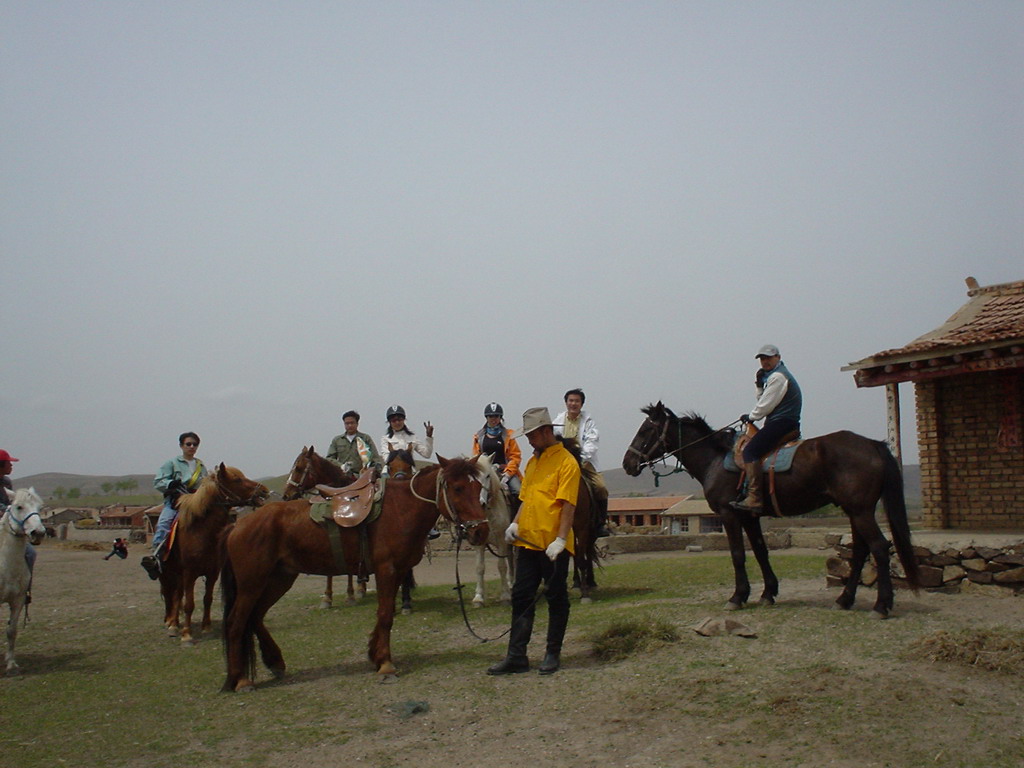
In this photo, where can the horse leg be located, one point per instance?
(380, 639)
(170, 587)
(505, 566)
(188, 605)
(759, 547)
(584, 570)
(860, 555)
(270, 651)
(479, 597)
(16, 605)
(238, 650)
(734, 533)
(865, 523)
(327, 598)
(210, 582)
(407, 586)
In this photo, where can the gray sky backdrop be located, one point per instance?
(244, 218)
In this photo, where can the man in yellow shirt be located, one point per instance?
(542, 534)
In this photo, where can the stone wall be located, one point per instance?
(944, 563)
(969, 430)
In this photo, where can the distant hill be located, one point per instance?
(88, 485)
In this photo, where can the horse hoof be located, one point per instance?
(586, 600)
(840, 607)
(878, 615)
(188, 641)
(406, 611)
(388, 679)
(13, 671)
(173, 632)
(478, 603)
(245, 686)
(730, 606)
(277, 672)
(325, 605)
(766, 602)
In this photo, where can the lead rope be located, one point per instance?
(679, 467)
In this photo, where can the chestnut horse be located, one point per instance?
(193, 553)
(584, 531)
(840, 468)
(309, 470)
(265, 551)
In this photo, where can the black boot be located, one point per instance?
(550, 665)
(152, 565)
(753, 501)
(515, 660)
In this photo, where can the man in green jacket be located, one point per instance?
(354, 451)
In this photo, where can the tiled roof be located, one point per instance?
(993, 316)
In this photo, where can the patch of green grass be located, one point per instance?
(626, 637)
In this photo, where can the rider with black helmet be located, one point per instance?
(498, 442)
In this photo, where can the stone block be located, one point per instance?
(952, 573)
(1012, 576)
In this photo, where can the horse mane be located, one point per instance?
(572, 445)
(193, 507)
(460, 467)
(723, 438)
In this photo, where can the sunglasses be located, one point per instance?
(191, 445)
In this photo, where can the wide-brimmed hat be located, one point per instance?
(5, 456)
(768, 350)
(534, 418)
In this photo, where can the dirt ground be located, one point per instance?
(816, 687)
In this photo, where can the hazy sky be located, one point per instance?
(244, 218)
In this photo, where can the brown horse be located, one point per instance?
(265, 551)
(584, 530)
(309, 470)
(201, 518)
(841, 468)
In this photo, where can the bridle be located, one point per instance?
(449, 510)
(233, 499)
(648, 457)
(302, 479)
(16, 525)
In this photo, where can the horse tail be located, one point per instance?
(896, 512)
(229, 596)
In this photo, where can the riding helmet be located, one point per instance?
(395, 410)
(493, 409)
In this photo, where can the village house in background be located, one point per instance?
(968, 378)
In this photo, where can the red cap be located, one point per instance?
(5, 456)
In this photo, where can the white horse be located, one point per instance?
(19, 523)
(494, 500)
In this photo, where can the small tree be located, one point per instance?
(106, 487)
(59, 491)
(74, 493)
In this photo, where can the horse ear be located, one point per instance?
(221, 471)
(442, 460)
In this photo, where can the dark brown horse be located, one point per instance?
(584, 530)
(309, 470)
(201, 518)
(841, 468)
(265, 552)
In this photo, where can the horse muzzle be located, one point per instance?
(36, 537)
(476, 532)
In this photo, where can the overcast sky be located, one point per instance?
(244, 218)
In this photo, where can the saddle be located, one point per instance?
(352, 504)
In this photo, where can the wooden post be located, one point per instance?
(892, 413)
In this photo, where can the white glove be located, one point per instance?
(555, 548)
(511, 531)
(346, 467)
(504, 481)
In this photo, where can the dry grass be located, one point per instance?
(992, 649)
(626, 637)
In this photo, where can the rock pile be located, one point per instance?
(942, 564)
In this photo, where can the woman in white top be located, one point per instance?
(399, 437)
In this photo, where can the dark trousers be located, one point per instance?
(767, 438)
(533, 568)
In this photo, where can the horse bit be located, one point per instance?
(441, 492)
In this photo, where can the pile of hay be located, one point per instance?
(999, 650)
(629, 636)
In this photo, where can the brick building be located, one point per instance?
(968, 378)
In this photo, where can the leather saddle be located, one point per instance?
(352, 504)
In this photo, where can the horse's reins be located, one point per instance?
(648, 460)
(441, 494)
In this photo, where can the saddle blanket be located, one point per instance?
(780, 460)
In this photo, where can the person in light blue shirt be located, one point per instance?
(179, 475)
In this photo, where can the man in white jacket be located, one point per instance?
(579, 424)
